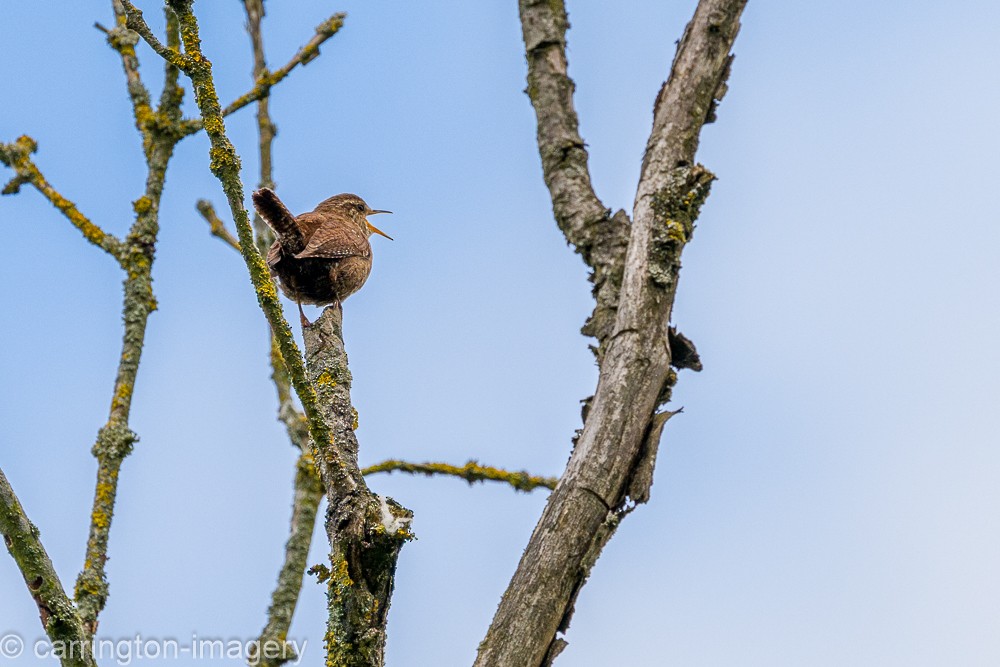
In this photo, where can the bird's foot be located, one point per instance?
(303, 320)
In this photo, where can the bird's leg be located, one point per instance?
(302, 316)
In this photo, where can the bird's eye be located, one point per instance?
(360, 207)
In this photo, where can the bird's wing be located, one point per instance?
(334, 241)
(274, 254)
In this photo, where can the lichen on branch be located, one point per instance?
(17, 156)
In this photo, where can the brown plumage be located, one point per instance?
(321, 257)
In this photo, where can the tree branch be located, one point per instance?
(471, 472)
(636, 378)
(589, 226)
(123, 40)
(116, 439)
(136, 23)
(366, 532)
(266, 129)
(58, 616)
(308, 486)
(17, 156)
(265, 80)
(285, 597)
(216, 226)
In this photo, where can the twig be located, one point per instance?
(216, 226)
(58, 616)
(115, 439)
(135, 22)
(122, 40)
(471, 472)
(284, 599)
(17, 156)
(612, 459)
(266, 129)
(265, 81)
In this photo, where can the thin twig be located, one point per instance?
(266, 129)
(122, 40)
(264, 83)
(135, 22)
(471, 472)
(216, 226)
(17, 156)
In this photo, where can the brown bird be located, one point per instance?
(321, 257)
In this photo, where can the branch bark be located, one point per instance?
(598, 235)
(17, 156)
(115, 439)
(266, 80)
(365, 531)
(59, 618)
(636, 376)
(471, 472)
(308, 488)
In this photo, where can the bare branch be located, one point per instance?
(123, 41)
(303, 56)
(265, 81)
(17, 156)
(172, 94)
(612, 451)
(589, 226)
(308, 494)
(471, 472)
(266, 129)
(308, 486)
(365, 531)
(216, 226)
(135, 22)
(116, 439)
(58, 616)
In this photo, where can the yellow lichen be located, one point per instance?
(99, 519)
(142, 205)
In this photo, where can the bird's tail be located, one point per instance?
(280, 219)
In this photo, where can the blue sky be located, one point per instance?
(829, 495)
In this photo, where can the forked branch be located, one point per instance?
(611, 466)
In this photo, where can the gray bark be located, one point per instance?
(636, 376)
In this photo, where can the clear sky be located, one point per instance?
(829, 496)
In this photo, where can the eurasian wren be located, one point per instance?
(321, 257)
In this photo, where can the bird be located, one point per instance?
(321, 257)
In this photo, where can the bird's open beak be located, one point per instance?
(376, 230)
